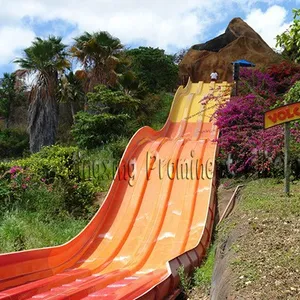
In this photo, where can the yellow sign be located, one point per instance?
(283, 114)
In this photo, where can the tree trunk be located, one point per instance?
(43, 115)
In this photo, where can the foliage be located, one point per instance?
(203, 274)
(178, 57)
(23, 229)
(45, 58)
(70, 90)
(293, 95)
(104, 99)
(13, 143)
(53, 168)
(110, 114)
(290, 39)
(91, 131)
(127, 79)
(284, 74)
(185, 280)
(154, 110)
(10, 96)
(97, 52)
(117, 148)
(254, 81)
(251, 147)
(154, 68)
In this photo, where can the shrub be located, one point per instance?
(13, 142)
(53, 169)
(254, 81)
(91, 131)
(285, 75)
(110, 114)
(242, 135)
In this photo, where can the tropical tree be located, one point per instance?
(47, 59)
(110, 115)
(154, 68)
(8, 96)
(290, 39)
(98, 52)
(71, 91)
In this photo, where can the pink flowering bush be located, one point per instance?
(242, 135)
(254, 81)
(252, 148)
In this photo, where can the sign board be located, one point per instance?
(283, 114)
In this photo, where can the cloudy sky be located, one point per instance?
(168, 24)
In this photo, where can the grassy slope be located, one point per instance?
(266, 254)
(267, 261)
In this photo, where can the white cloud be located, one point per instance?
(269, 23)
(169, 24)
(13, 39)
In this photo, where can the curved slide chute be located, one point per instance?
(158, 215)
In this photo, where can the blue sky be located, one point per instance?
(168, 24)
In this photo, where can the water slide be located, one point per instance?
(158, 215)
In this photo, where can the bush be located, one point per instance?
(13, 143)
(253, 149)
(91, 131)
(285, 75)
(154, 69)
(243, 136)
(52, 169)
(110, 114)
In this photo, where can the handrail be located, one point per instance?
(230, 204)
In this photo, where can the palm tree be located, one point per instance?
(97, 52)
(71, 91)
(47, 60)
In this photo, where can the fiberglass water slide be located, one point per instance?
(158, 215)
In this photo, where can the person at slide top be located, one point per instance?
(214, 76)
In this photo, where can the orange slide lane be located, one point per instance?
(158, 214)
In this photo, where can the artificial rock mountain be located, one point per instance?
(239, 41)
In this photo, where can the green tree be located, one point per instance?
(71, 91)
(110, 114)
(46, 58)
(8, 96)
(155, 69)
(293, 95)
(290, 39)
(97, 52)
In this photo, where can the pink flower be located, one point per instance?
(24, 186)
(14, 169)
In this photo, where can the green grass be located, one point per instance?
(198, 285)
(39, 218)
(265, 259)
(203, 274)
(20, 230)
